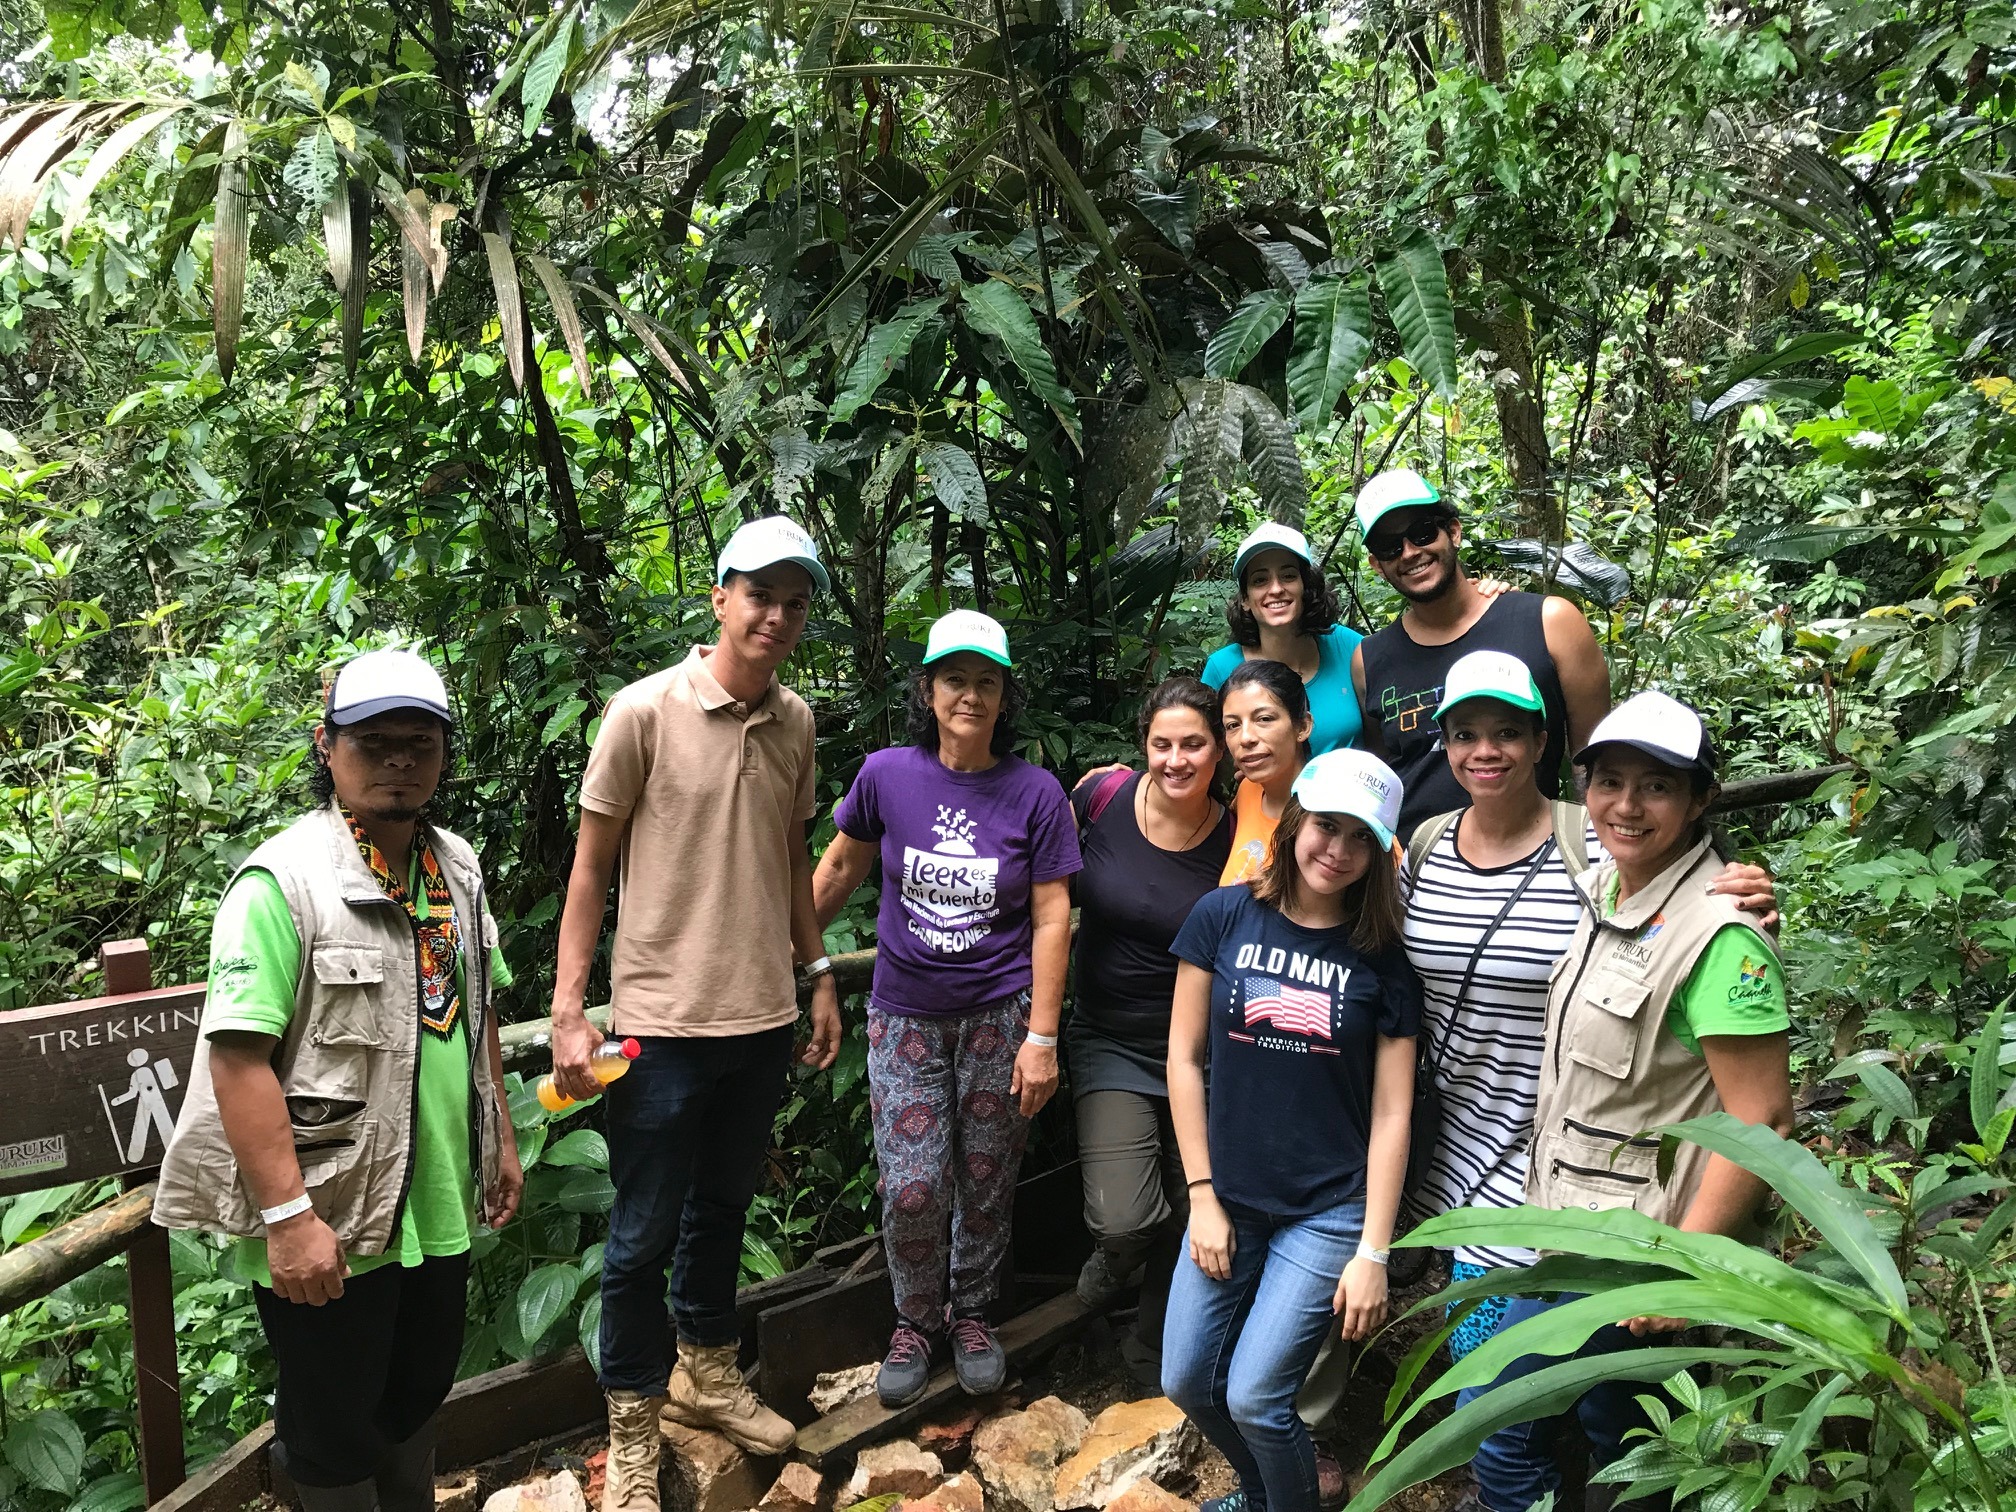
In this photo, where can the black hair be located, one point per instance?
(1181, 692)
(1701, 780)
(1321, 608)
(921, 724)
(1280, 682)
(322, 781)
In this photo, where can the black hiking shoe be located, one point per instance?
(977, 1357)
(906, 1369)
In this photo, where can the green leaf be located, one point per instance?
(1875, 405)
(587, 1192)
(543, 74)
(994, 309)
(543, 1299)
(120, 1492)
(565, 718)
(1333, 334)
(311, 167)
(1889, 1090)
(955, 479)
(885, 350)
(48, 1449)
(1238, 341)
(584, 1147)
(1984, 1087)
(1805, 1428)
(1416, 287)
(1796, 1174)
(591, 1329)
(1791, 353)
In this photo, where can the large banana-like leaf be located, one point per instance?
(413, 276)
(43, 139)
(1130, 457)
(885, 350)
(1333, 335)
(955, 479)
(1984, 1085)
(569, 315)
(336, 232)
(1246, 330)
(994, 309)
(641, 329)
(1272, 461)
(510, 309)
(229, 242)
(544, 73)
(357, 281)
(107, 157)
(1207, 436)
(420, 223)
(1416, 287)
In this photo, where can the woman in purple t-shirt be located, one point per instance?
(977, 848)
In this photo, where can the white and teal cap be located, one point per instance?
(1490, 674)
(1395, 488)
(768, 541)
(967, 630)
(1270, 537)
(1352, 782)
(380, 682)
(1659, 725)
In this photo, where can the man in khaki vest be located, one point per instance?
(345, 1109)
(700, 784)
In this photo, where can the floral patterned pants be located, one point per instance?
(948, 1137)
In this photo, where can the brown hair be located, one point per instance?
(1181, 692)
(1371, 904)
(1321, 608)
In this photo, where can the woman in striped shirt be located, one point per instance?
(1491, 906)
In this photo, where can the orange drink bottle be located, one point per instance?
(606, 1064)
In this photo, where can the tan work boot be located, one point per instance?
(707, 1391)
(631, 1483)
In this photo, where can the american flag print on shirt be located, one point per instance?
(1297, 1010)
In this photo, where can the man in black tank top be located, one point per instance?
(1413, 536)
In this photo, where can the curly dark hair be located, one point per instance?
(922, 725)
(322, 781)
(1321, 608)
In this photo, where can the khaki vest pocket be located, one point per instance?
(1603, 1031)
(349, 976)
(1598, 1188)
(335, 1166)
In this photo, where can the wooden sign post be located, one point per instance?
(93, 1090)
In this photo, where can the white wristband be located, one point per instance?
(1376, 1256)
(1041, 1041)
(289, 1209)
(818, 968)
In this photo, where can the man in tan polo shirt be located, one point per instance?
(701, 784)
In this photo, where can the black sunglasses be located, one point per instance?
(1421, 533)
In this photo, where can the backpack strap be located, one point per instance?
(1422, 841)
(1571, 836)
(1104, 794)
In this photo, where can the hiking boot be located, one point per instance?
(634, 1442)
(906, 1369)
(707, 1391)
(1099, 1284)
(977, 1357)
(1329, 1480)
(1232, 1502)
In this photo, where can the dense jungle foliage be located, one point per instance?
(477, 325)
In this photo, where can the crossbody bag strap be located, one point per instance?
(1477, 952)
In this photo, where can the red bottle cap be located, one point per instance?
(631, 1049)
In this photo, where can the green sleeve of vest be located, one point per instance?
(255, 959)
(1736, 987)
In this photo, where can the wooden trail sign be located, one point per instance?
(93, 1087)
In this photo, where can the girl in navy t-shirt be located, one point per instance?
(1295, 994)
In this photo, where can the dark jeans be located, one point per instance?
(366, 1371)
(1515, 1466)
(688, 1127)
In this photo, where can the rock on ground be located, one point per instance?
(798, 1489)
(1128, 1442)
(898, 1467)
(1146, 1496)
(457, 1492)
(962, 1493)
(836, 1388)
(951, 1437)
(1017, 1454)
(703, 1471)
(558, 1492)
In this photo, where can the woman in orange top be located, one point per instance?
(1265, 711)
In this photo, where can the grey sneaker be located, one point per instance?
(1099, 1285)
(977, 1357)
(906, 1369)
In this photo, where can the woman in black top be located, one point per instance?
(1153, 845)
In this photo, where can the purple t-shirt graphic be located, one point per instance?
(961, 852)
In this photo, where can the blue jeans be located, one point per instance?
(688, 1127)
(1234, 1352)
(1515, 1466)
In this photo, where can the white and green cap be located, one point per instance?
(384, 682)
(967, 630)
(1352, 782)
(1270, 537)
(1490, 674)
(1395, 488)
(768, 541)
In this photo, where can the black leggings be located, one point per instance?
(366, 1371)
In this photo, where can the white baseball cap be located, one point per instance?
(967, 630)
(1490, 674)
(1395, 488)
(1270, 537)
(1352, 782)
(1662, 727)
(766, 542)
(379, 682)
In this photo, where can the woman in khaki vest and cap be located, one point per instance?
(1669, 1004)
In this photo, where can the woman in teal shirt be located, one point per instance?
(1286, 611)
